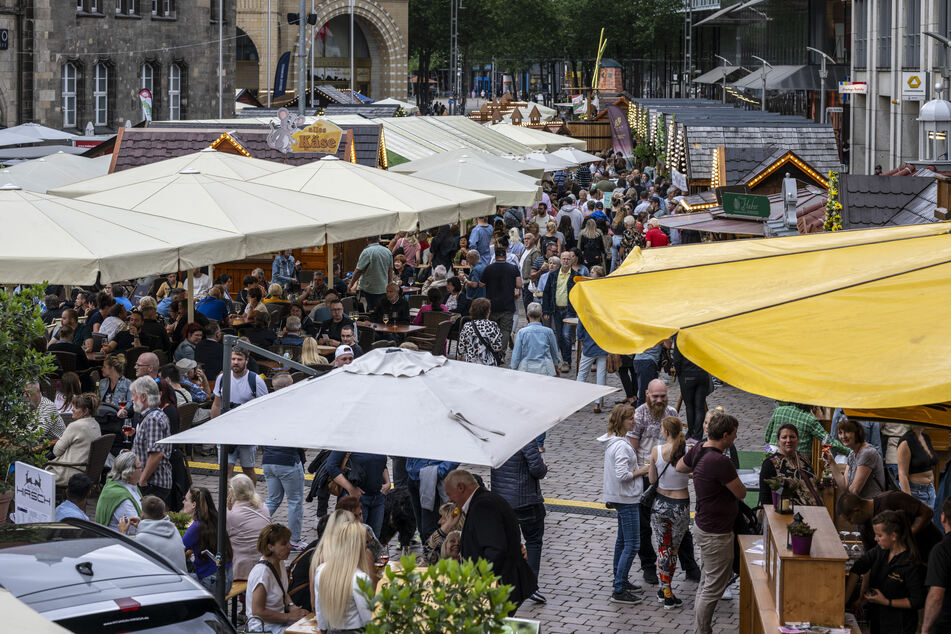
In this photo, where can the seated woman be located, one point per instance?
(450, 520)
(306, 323)
(788, 463)
(456, 301)
(866, 473)
(895, 588)
(403, 272)
(247, 517)
(114, 386)
(275, 295)
(394, 306)
(193, 334)
(67, 388)
(450, 547)
(437, 280)
(338, 602)
(73, 447)
(310, 355)
(255, 304)
(202, 537)
(435, 305)
(268, 606)
(118, 506)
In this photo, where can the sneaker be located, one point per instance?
(625, 596)
(631, 587)
(538, 597)
(672, 602)
(661, 595)
(727, 595)
(297, 547)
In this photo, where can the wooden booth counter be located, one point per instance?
(785, 587)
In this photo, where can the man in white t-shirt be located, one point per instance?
(244, 387)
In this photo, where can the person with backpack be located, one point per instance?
(245, 386)
(268, 606)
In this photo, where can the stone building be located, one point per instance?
(381, 30)
(65, 63)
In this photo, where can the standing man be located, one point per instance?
(717, 488)
(374, 271)
(503, 283)
(480, 239)
(525, 262)
(284, 270)
(474, 286)
(156, 475)
(556, 306)
(284, 475)
(938, 604)
(491, 532)
(244, 387)
(647, 433)
(517, 482)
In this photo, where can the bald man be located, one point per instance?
(147, 365)
(646, 434)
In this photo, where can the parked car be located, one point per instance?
(88, 578)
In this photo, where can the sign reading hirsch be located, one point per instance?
(320, 136)
(745, 205)
(35, 495)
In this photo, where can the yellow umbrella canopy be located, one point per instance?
(852, 319)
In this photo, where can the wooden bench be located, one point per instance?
(237, 589)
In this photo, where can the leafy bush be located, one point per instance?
(20, 324)
(462, 598)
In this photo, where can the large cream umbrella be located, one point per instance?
(48, 238)
(271, 218)
(508, 188)
(207, 161)
(576, 156)
(537, 139)
(553, 161)
(531, 168)
(55, 170)
(419, 201)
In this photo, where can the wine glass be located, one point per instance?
(386, 318)
(354, 316)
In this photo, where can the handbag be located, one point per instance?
(650, 493)
(353, 473)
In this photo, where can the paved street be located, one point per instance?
(579, 541)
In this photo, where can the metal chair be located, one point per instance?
(95, 463)
(348, 304)
(436, 345)
(416, 301)
(382, 343)
(65, 360)
(276, 313)
(366, 336)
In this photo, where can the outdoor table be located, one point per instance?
(306, 625)
(96, 357)
(574, 322)
(393, 329)
(410, 290)
(239, 320)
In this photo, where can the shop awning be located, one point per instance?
(937, 415)
(852, 318)
(716, 75)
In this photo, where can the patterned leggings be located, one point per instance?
(670, 519)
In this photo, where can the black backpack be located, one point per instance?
(592, 250)
(109, 423)
(299, 589)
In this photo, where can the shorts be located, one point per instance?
(242, 455)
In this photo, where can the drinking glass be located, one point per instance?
(386, 319)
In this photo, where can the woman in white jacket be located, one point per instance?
(623, 485)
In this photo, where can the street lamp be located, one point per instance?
(823, 73)
(726, 62)
(945, 73)
(763, 72)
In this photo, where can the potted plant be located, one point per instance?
(20, 436)
(800, 536)
(449, 596)
(180, 520)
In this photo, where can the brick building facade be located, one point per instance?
(71, 62)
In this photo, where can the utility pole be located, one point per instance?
(352, 69)
(454, 87)
(689, 75)
(267, 72)
(763, 72)
(726, 63)
(301, 57)
(221, 58)
(823, 73)
(945, 72)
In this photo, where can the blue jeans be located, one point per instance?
(646, 371)
(531, 520)
(283, 479)
(373, 511)
(211, 580)
(584, 369)
(925, 493)
(563, 332)
(627, 544)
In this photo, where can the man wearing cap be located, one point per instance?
(189, 372)
(343, 356)
(244, 387)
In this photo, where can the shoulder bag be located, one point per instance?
(280, 584)
(498, 356)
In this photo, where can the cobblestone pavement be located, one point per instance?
(579, 541)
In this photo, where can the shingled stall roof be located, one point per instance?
(365, 110)
(877, 201)
(709, 124)
(367, 138)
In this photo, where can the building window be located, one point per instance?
(79, 5)
(174, 92)
(884, 34)
(147, 74)
(912, 37)
(88, 6)
(127, 7)
(861, 33)
(100, 94)
(163, 8)
(69, 95)
(214, 10)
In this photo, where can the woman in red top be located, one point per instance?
(655, 237)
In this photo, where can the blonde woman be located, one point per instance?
(338, 602)
(591, 243)
(551, 236)
(310, 354)
(450, 547)
(247, 517)
(275, 295)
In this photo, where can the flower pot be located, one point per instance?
(5, 500)
(801, 545)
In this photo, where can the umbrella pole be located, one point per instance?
(330, 264)
(227, 345)
(191, 301)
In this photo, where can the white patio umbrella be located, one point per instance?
(551, 160)
(271, 218)
(39, 132)
(415, 200)
(408, 108)
(509, 188)
(207, 161)
(13, 138)
(474, 414)
(48, 238)
(56, 170)
(530, 168)
(576, 156)
(537, 139)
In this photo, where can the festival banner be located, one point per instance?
(621, 139)
(280, 74)
(578, 104)
(145, 98)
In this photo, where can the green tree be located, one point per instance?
(428, 42)
(20, 324)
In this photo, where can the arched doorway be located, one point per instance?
(246, 62)
(332, 55)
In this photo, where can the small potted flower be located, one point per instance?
(800, 536)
